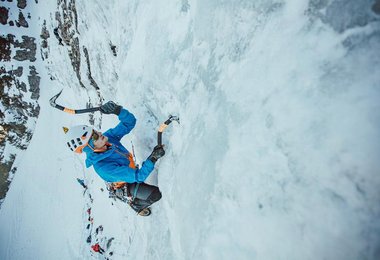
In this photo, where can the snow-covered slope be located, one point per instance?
(277, 153)
(19, 85)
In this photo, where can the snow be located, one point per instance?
(276, 156)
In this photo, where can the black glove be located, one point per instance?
(110, 108)
(158, 152)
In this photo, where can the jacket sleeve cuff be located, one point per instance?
(122, 113)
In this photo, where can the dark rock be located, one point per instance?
(75, 54)
(35, 111)
(5, 167)
(20, 136)
(67, 33)
(28, 51)
(22, 21)
(75, 58)
(5, 81)
(4, 15)
(89, 74)
(34, 82)
(44, 32)
(18, 99)
(376, 7)
(5, 47)
(18, 72)
(44, 44)
(56, 33)
(21, 4)
(3, 133)
(113, 48)
(21, 86)
(73, 11)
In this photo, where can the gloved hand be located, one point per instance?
(158, 152)
(110, 108)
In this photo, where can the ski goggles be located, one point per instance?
(95, 135)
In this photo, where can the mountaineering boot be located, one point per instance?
(145, 212)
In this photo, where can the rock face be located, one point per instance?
(19, 94)
(17, 111)
(34, 83)
(20, 87)
(67, 34)
(45, 35)
(21, 4)
(27, 49)
(3, 15)
(5, 47)
(21, 20)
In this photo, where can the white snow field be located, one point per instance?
(277, 155)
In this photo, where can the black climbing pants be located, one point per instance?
(144, 196)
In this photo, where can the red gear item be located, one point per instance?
(96, 247)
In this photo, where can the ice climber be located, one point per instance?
(113, 162)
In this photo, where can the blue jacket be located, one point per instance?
(113, 165)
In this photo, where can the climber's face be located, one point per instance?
(99, 139)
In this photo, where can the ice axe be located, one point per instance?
(69, 110)
(163, 126)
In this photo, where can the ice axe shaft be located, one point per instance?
(69, 110)
(163, 126)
